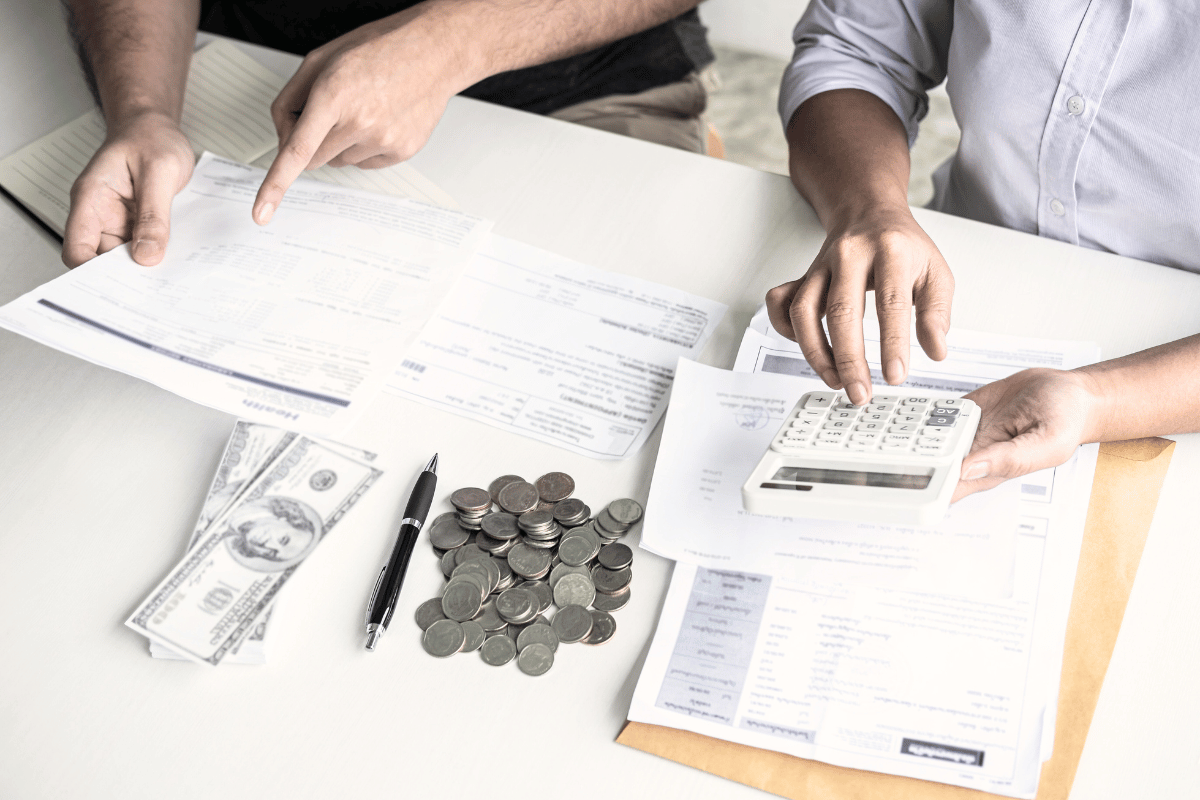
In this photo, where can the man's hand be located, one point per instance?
(1031, 420)
(124, 194)
(370, 98)
(884, 250)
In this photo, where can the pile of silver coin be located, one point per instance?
(517, 552)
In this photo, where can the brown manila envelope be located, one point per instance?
(1129, 476)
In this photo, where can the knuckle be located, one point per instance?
(841, 311)
(892, 300)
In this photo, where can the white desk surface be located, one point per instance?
(101, 477)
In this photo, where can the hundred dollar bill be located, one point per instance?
(213, 599)
(251, 448)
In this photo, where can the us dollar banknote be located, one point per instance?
(251, 449)
(216, 596)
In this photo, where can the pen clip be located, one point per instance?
(374, 594)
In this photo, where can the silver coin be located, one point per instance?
(517, 498)
(625, 511)
(606, 523)
(611, 602)
(477, 567)
(429, 612)
(501, 525)
(498, 650)
(489, 620)
(471, 499)
(528, 562)
(536, 521)
(504, 480)
(517, 606)
(590, 534)
(576, 549)
(555, 486)
(615, 556)
(566, 569)
(461, 600)
(447, 561)
(610, 580)
(468, 552)
(571, 509)
(478, 581)
(446, 533)
(473, 636)
(536, 659)
(507, 578)
(544, 506)
(537, 633)
(542, 591)
(603, 628)
(443, 638)
(573, 590)
(572, 624)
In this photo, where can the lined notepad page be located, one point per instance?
(226, 111)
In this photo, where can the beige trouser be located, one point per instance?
(672, 115)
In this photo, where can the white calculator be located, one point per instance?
(895, 460)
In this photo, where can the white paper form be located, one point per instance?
(298, 323)
(556, 350)
(719, 425)
(226, 110)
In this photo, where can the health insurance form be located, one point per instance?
(297, 323)
(943, 688)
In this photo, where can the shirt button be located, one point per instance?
(1075, 105)
(1057, 207)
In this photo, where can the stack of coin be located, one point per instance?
(506, 570)
(473, 505)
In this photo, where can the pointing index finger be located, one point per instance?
(294, 157)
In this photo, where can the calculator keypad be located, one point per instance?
(894, 424)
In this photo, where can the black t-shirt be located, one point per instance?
(655, 57)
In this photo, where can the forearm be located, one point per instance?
(137, 52)
(848, 154)
(1151, 393)
(494, 36)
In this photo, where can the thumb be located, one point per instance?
(152, 225)
(993, 464)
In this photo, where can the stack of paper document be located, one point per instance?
(809, 644)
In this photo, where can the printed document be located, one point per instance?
(297, 323)
(556, 350)
(918, 683)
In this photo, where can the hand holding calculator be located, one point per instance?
(895, 460)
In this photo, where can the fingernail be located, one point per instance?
(144, 248)
(265, 213)
(858, 394)
(894, 372)
(976, 471)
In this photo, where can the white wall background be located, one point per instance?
(762, 26)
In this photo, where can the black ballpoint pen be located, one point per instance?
(387, 587)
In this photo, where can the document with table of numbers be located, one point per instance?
(297, 323)
(915, 682)
(544, 346)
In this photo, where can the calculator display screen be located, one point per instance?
(888, 480)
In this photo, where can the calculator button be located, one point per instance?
(936, 433)
(955, 402)
(927, 450)
(807, 423)
(941, 422)
(870, 426)
(859, 446)
(865, 437)
(827, 443)
(944, 412)
(820, 400)
(838, 425)
(797, 433)
(889, 399)
(898, 438)
(878, 408)
(932, 441)
(906, 419)
(805, 413)
(843, 414)
(894, 446)
(832, 436)
(846, 405)
(915, 401)
(874, 418)
(909, 429)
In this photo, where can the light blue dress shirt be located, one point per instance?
(1080, 120)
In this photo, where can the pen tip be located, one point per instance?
(373, 638)
(432, 467)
